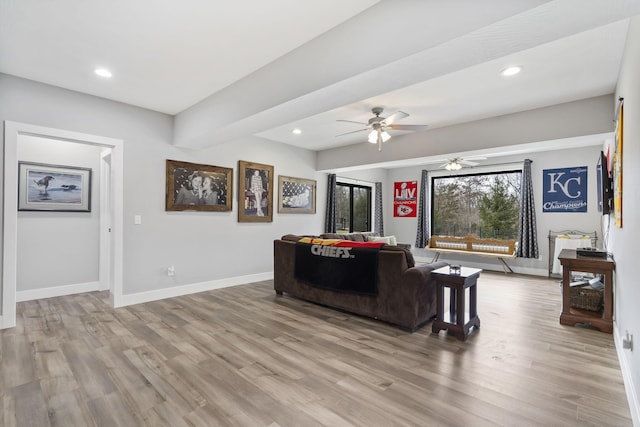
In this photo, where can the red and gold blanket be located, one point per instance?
(340, 265)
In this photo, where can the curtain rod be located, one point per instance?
(354, 180)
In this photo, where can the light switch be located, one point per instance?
(137, 220)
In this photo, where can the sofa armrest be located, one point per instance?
(424, 270)
(405, 246)
(416, 289)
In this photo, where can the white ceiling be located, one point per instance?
(263, 68)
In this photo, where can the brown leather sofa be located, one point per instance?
(406, 293)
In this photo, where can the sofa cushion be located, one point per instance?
(291, 237)
(354, 237)
(389, 240)
(411, 262)
(339, 242)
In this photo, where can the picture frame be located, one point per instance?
(296, 195)
(616, 171)
(53, 188)
(198, 187)
(255, 181)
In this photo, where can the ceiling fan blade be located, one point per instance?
(468, 163)
(433, 162)
(351, 121)
(353, 131)
(398, 115)
(408, 127)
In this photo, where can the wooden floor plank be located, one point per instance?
(243, 356)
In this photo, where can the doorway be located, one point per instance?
(111, 219)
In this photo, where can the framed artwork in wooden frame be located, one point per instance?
(296, 195)
(616, 174)
(255, 192)
(198, 187)
(54, 188)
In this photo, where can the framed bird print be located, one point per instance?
(56, 188)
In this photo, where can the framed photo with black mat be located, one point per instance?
(198, 187)
(296, 195)
(54, 188)
(255, 192)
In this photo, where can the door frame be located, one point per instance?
(111, 252)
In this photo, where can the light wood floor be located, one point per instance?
(243, 356)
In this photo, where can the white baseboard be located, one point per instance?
(193, 288)
(56, 291)
(5, 324)
(142, 297)
(630, 387)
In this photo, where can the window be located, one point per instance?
(353, 208)
(486, 205)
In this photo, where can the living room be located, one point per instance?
(212, 250)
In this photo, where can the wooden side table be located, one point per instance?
(455, 323)
(571, 261)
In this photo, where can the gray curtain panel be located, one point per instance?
(378, 225)
(330, 216)
(527, 230)
(422, 236)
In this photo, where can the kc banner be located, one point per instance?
(564, 190)
(405, 199)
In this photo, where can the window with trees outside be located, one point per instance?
(486, 205)
(353, 208)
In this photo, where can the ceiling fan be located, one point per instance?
(455, 163)
(379, 126)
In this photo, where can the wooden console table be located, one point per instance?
(571, 261)
(455, 322)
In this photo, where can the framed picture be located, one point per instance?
(43, 187)
(196, 187)
(617, 166)
(255, 192)
(296, 195)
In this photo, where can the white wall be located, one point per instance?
(405, 228)
(205, 248)
(59, 248)
(623, 241)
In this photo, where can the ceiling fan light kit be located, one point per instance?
(378, 126)
(457, 163)
(453, 166)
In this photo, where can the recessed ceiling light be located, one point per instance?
(296, 131)
(511, 71)
(103, 72)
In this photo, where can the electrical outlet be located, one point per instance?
(171, 270)
(627, 341)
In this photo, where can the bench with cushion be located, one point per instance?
(473, 245)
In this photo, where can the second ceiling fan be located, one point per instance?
(456, 163)
(379, 125)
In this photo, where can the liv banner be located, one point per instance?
(564, 190)
(405, 199)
